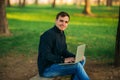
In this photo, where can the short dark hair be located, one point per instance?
(62, 14)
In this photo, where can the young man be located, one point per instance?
(53, 51)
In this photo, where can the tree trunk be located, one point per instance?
(87, 8)
(109, 3)
(8, 3)
(117, 47)
(36, 2)
(99, 2)
(21, 3)
(3, 21)
(53, 4)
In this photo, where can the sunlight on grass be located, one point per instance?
(29, 17)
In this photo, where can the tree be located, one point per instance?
(99, 2)
(109, 2)
(3, 21)
(53, 4)
(8, 3)
(87, 8)
(117, 47)
(36, 2)
(21, 3)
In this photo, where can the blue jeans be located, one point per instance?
(76, 70)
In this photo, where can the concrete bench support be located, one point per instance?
(37, 77)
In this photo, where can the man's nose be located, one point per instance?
(64, 22)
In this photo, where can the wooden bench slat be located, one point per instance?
(37, 77)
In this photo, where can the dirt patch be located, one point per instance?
(23, 68)
(17, 67)
(98, 70)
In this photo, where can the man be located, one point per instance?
(53, 51)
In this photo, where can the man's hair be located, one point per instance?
(62, 14)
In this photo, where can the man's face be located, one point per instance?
(62, 22)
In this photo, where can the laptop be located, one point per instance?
(79, 54)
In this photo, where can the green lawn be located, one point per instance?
(28, 23)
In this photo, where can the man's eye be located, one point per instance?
(61, 20)
(66, 21)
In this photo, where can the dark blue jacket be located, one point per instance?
(52, 49)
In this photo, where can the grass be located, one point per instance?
(28, 23)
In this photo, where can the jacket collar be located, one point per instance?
(58, 30)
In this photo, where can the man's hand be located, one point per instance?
(69, 60)
(83, 58)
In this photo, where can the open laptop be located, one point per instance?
(79, 54)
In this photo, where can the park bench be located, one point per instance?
(37, 77)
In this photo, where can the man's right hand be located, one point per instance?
(69, 60)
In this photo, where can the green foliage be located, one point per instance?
(28, 23)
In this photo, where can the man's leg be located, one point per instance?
(81, 74)
(60, 70)
(63, 70)
(75, 77)
(71, 69)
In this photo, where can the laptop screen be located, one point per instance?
(80, 52)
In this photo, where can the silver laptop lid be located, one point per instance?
(80, 52)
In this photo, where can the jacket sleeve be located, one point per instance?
(45, 49)
(66, 53)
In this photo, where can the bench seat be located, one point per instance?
(37, 77)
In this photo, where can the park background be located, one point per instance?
(28, 19)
